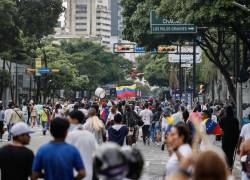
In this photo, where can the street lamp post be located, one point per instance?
(237, 66)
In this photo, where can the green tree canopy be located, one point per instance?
(85, 65)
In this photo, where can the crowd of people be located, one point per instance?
(91, 139)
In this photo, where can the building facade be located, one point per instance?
(116, 18)
(89, 18)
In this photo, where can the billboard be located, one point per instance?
(185, 58)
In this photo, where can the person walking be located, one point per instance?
(130, 118)
(44, 117)
(57, 112)
(95, 126)
(58, 159)
(16, 116)
(231, 131)
(210, 129)
(155, 127)
(110, 120)
(7, 116)
(117, 132)
(1, 122)
(180, 146)
(147, 117)
(189, 124)
(83, 140)
(15, 159)
(25, 112)
(33, 115)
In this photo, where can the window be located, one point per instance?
(81, 17)
(81, 11)
(81, 29)
(81, 23)
(81, 6)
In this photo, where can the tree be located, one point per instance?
(8, 29)
(217, 16)
(83, 65)
(24, 24)
(156, 69)
(136, 14)
(218, 23)
(93, 60)
(38, 18)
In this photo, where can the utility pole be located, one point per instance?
(194, 70)
(16, 93)
(180, 74)
(238, 84)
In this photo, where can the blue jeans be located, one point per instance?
(244, 176)
(153, 132)
(9, 131)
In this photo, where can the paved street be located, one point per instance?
(155, 159)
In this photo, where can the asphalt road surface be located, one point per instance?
(155, 159)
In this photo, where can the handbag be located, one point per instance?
(140, 122)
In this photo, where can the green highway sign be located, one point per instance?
(160, 25)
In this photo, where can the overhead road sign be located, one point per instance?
(43, 70)
(161, 25)
(186, 55)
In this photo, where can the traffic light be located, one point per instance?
(202, 89)
(166, 49)
(30, 71)
(124, 48)
(55, 71)
(113, 92)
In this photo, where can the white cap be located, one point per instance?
(20, 128)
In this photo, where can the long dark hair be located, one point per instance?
(229, 112)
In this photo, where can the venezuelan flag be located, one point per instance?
(212, 127)
(126, 91)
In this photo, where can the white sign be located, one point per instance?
(186, 65)
(185, 58)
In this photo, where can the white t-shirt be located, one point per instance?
(7, 115)
(86, 143)
(59, 113)
(245, 132)
(84, 111)
(146, 116)
(172, 165)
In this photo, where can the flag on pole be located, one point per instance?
(126, 91)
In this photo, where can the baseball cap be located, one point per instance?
(20, 128)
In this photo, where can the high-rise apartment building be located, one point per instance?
(89, 18)
(116, 18)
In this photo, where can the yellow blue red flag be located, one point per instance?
(126, 91)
